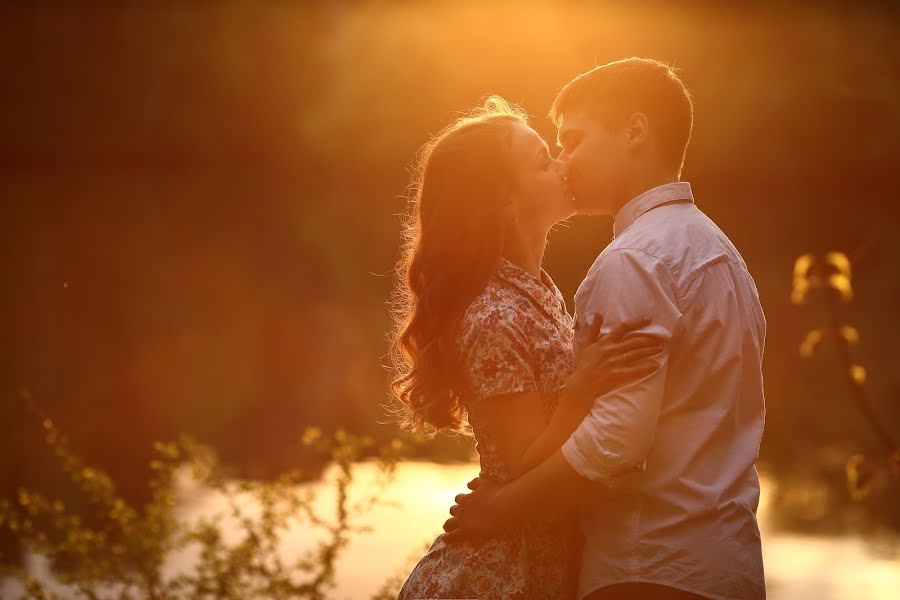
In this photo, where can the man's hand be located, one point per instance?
(475, 514)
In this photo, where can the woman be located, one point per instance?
(483, 339)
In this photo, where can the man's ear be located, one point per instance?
(637, 130)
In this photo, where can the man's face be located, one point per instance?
(595, 158)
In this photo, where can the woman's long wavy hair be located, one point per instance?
(453, 239)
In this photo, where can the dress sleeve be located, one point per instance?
(496, 358)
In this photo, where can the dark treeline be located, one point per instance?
(200, 202)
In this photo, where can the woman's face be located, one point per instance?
(539, 192)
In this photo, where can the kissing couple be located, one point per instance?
(617, 447)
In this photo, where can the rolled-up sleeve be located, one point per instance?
(614, 439)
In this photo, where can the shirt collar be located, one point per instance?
(661, 194)
(542, 291)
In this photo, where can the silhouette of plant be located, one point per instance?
(122, 553)
(830, 277)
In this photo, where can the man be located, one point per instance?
(662, 468)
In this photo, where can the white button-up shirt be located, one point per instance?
(676, 448)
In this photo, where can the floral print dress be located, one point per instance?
(515, 337)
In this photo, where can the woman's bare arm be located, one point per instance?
(517, 421)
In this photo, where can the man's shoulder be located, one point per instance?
(681, 236)
(675, 242)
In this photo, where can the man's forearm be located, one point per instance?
(550, 488)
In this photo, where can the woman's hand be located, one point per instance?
(605, 362)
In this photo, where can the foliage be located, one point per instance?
(120, 551)
(832, 276)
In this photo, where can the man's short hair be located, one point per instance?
(617, 90)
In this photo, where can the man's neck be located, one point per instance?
(644, 182)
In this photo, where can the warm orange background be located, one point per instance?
(199, 204)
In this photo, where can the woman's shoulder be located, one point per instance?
(494, 308)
